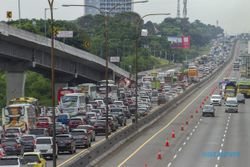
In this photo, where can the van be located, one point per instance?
(45, 146)
(73, 103)
(231, 104)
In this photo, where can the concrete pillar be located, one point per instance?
(15, 84)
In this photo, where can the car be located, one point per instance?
(66, 142)
(142, 112)
(11, 146)
(34, 159)
(231, 104)
(10, 161)
(81, 137)
(45, 146)
(240, 98)
(98, 112)
(215, 99)
(208, 110)
(43, 122)
(13, 130)
(39, 132)
(119, 114)
(100, 127)
(113, 122)
(2, 152)
(126, 111)
(132, 109)
(162, 99)
(92, 117)
(60, 129)
(90, 129)
(94, 104)
(28, 142)
(75, 121)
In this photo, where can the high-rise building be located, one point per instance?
(107, 5)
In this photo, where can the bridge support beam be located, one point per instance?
(15, 84)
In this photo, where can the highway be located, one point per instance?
(205, 141)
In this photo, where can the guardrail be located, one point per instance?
(97, 153)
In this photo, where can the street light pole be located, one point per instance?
(19, 12)
(45, 19)
(106, 14)
(136, 57)
(51, 2)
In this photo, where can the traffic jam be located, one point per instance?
(81, 113)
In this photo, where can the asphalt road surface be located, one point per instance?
(205, 141)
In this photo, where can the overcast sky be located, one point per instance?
(232, 15)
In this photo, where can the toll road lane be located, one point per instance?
(237, 143)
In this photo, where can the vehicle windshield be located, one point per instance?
(69, 101)
(30, 158)
(12, 131)
(77, 133)
(59, 138)
(43, 141)
(6, 162)
(231, 102)
(216, 97)
(43, 120)
(36, 131)
(25, 138)
(207, 107)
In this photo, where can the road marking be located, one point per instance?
(175, 156)
(220, 150)
(196, 127)
(222, 145)
(169, 164)
(224, 135)
(184, 144)
(225, 131)
(216, 165)
(198, 122)
(191, 133)
(180, 149)
(218, 158)
(223, 140)
(167, 125)
(193, 130)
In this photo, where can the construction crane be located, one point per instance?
(184, 8)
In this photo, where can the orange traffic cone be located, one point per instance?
(167, 143)
(173, 134)
(159, 156)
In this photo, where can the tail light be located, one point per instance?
(34, 142)
(3, 145)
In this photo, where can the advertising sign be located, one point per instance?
(180, 42)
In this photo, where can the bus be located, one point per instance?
(244, 87)
(19, 115)
(146, 81)
(112, 90)
(89, 89)
(66, 90)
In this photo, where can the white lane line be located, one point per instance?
(216, 165)
(225, 131)
(226, 128)
(180, 149)
(220, 150)
(169, 164)
(187, 138)
(191, 133)
(224, 135)
(222, 145)
(193, 130)
(218, 158)
(175, 156)
(223, 139)
(196, 127)
(200, 119)
(184, 144)
(198, 122)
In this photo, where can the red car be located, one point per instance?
(75, 121)
(43, 122)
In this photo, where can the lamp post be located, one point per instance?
(45, 18)
(19, 12)
(136, 57)
(106, 15)
(51, 3)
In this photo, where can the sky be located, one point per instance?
(232, 15)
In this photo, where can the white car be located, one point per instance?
(10, 161)
(45, 146)
(215, 99)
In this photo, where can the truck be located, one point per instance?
(230, 90)
(193, 74)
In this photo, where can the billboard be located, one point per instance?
(182, 42)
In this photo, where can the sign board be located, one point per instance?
(9, 14)
(180, 42)
(64, 34)
(144, 32)
(115, 59)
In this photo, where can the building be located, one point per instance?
(107, 5)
